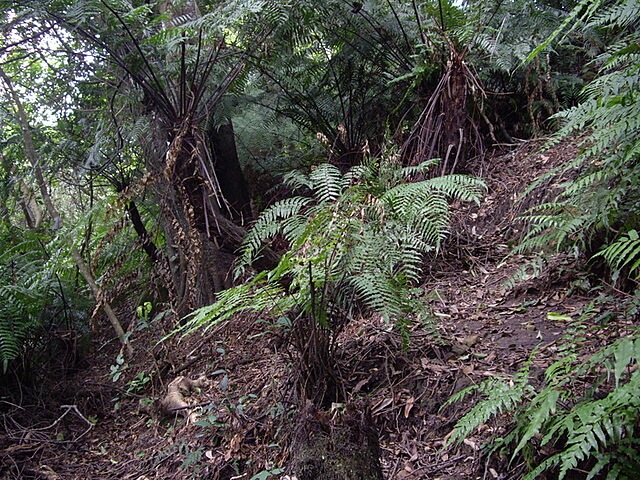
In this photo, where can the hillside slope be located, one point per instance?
(105, 420)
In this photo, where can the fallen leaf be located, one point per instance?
(471, 444)
(381, 405)
(471, 340)
(408, 406)
(234, 446)
(361, 384)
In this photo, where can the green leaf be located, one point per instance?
(558, 317)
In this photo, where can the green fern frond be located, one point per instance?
(420, 169)
(252, 297)
(459, 187)
(583, 10)
(280, 217)
(591, 428)
(365, 230)
(594, 427)
(533, 268)
(295, 179)
(27, 286)
(327, 182)
(600, 198)
(622, 15)
(622, 253)
(10, 343)
(500, 396)
(382, 293)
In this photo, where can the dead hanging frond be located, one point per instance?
(539, 88)
(446, 128)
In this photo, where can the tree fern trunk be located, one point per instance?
(229, 172)
(336, 445)
(456, 128)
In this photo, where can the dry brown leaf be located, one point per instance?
(408, 406)
(381, 405)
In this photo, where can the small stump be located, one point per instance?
(338, 445)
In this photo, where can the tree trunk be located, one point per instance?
(197, 178)
(138, 225)
(229, 172)
(456, 124)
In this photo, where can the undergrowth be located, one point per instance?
(356, 242)
(595, 213)
(36, 299)
(583, 417)
(355, 236)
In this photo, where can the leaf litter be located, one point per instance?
(240, 418)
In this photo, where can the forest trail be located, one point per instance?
(85, 425)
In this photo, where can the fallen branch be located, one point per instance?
(31, 431)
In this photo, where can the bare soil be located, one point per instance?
(81, 424)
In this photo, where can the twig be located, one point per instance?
(12, 404)
(68, 408)
(439, 466)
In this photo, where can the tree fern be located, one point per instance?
(366, 221)
(357, 240)
(359, 235)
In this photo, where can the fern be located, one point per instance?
(599, 429)
(327, 182)
(357, 240)
(254, 296)
(500, 396)
(18, 303)
(361, 234)
(603, 429)
(600, 200)
(623, 253)
(29, 288)
(283, 217)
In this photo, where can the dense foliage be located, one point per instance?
(598, 205)
(595, 212)
(596, 432)
(355, 239)
(147, 153)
